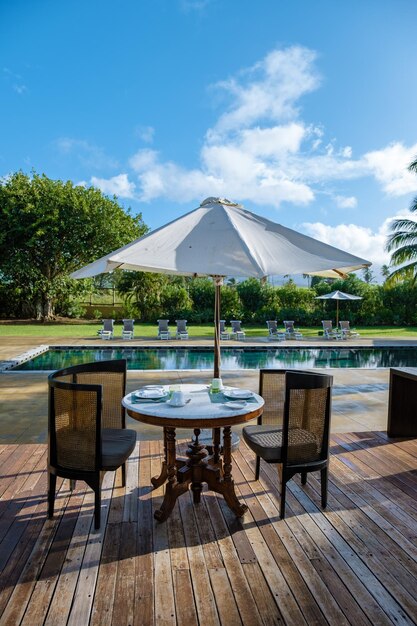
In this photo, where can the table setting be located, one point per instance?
(199, 407)
(178, 396)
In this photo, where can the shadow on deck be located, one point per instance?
(355, 563)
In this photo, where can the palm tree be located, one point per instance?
(368, 275)
(402, 243)
(385, 271)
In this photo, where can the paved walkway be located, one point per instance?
(360, 396)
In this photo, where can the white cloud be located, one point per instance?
(389, 166)
(272, 142)
(259, 150)
(268, 91)
(358, 240)
(145, 133)
(115, 186)
(15, 80)
(19, 88)
(344, 202)
(143, 160)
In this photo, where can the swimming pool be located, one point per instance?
(232, 358)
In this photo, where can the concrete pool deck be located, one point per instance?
(360, 396)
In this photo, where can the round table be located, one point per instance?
(203, 410)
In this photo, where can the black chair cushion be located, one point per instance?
(266, 442)
(117, 445)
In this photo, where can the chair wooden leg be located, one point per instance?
(124, 475)
(303, 478)
(96, 486)
(73, 483)
(324, 479)
(283, 481)
(51, 494)
(257, 467)
(97, 507)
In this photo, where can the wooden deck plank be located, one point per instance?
(202, 590)
(102, 609)
(84, 592)
(339, 561)
(164, 587)
(246, 602)
(396, 579)
(354, 563)
(285, 563)
(145, 581)
(296, 555)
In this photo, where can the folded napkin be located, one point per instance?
(220, 398)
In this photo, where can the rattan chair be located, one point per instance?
(294, 428)
(87, 433)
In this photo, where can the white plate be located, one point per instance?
(236, 405)
(238, 394)
(150, 394)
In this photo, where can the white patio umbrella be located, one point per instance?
(219, 239)
(338, 295)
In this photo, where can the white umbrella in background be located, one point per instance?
(338, 295)
(219, 239)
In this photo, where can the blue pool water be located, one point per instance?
(232, 358)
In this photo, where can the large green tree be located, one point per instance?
(49, 228)
(402, 243)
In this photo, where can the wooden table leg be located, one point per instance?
(173, 488)
(216, 445)
(225, 486)
(157, 481)
(196, 453)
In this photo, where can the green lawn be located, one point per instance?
(88, 330)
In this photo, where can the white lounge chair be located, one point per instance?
(237, 331)
(107, 331)
(163, 330)
(290, 331)
(273, 332)
(329, 332)
(347, 331)
(128, 330)
(182, 332)
(224, 333)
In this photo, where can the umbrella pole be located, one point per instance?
(337, 313)
(216, 372)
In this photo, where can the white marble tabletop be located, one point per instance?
(202, 406)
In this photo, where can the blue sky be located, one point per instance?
(303, 111)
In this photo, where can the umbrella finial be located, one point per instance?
(213, 200)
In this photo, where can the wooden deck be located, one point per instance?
(354, 564)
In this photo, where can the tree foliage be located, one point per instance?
(402, 243)
(49, 228)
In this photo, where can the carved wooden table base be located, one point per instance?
(198, 468)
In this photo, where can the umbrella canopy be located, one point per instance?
(221, 238)
(338, 295)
